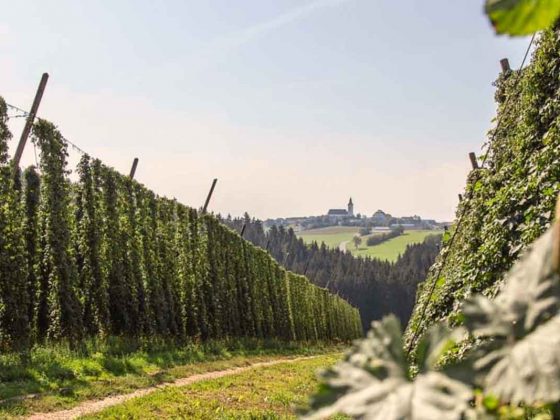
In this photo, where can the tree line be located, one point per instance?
(376, 287)
(105, 256)
(379, 239)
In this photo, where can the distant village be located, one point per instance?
(346, 217)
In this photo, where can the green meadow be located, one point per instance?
(332, 236)
(391, 249)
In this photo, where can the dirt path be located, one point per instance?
(93, 406)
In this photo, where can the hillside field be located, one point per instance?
(332, 236)
(391, 249)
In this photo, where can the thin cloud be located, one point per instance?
(256, 31)
(217, 49)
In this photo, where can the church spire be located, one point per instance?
(350, 208)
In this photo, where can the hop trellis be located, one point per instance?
(106, 256)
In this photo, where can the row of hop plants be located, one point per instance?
(509, 202)
(105, 256)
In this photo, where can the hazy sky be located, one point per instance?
(294, 105)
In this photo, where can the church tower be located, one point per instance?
(350, 208)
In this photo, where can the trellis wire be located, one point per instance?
(26, 114)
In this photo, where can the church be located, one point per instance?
(340, 213)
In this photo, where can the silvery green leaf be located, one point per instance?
(520, 359)
(483, 318)
(381, 353)
(432, 395)
(531, 293)
(527, 370)
(437, 341)
(373, 382)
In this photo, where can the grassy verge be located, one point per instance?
(391, 249)
(262, 393)
(56, 377)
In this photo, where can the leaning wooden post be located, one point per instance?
(504, 62)
(556, 236)
(30, 119)
(243, 229)
(474, 162)
(209, 195)
(306, 267)
(133, 169)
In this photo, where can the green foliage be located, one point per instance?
(93, 281)
(509, 203)
(106, 256)
(60, 312)
(32, 186)
(522, 17)
(513, 362)
(14, 321)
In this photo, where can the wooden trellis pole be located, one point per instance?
(474, 162)
(30, 119)
(133, 169)
(306, 267)
(504, 63)
(209, 195)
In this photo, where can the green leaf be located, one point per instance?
(530, 296)
(490, 402)
(522, 17)
(434, 344)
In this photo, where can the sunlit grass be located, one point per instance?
(61, 377)
(272, 392)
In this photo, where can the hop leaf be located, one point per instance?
(527, 370)
(520, 361)
(373, 381)
(522, 17)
